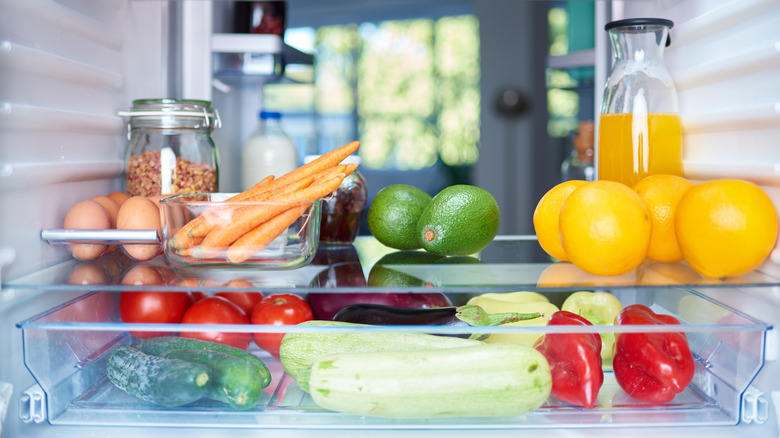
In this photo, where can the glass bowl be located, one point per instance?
(205, 230)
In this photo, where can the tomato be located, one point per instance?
(197, 296)
(150, 306)
(217, 310)
(245, 300)
(153, 307)
(278, 309)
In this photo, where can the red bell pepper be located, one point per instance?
(575, 360)
(651, 367)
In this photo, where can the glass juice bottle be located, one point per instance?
(639, 131)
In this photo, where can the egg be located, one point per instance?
(112, 208)
(142, 274)
(88, 273)
(139, 213)
(87, 215)
(119, 197)
(110, 205)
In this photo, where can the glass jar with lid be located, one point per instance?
(342, 212)
(170, 149)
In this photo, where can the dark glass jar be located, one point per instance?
(170, 149)
(342, 211)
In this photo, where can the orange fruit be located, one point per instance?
(565, 274)
(605, 228)
(546, 218)
(661, 193)
(726, 227)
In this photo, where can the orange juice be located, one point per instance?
(630, 149)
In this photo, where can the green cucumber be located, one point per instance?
(489, 380)
(300, 350)
(160, 345)
(163, 381)
(232, 380)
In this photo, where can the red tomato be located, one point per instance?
(153, 307)
(245, 300)
(278, 309)
(217, 310)
(150, 306)
(197, 296)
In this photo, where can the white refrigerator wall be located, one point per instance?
(66, 68)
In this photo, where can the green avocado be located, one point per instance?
(393, 214)
(460, 220)
(383, 275)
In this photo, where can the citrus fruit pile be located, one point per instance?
(720, 228)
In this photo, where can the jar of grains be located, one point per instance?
(170, 149)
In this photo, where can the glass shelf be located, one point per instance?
(509, 263)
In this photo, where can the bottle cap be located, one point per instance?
(270, 115)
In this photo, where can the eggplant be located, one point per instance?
(325, 305)
(378, 314)
(461, 316)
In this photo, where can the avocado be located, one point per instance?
(383, 275)
(460, 220)
(393, 214)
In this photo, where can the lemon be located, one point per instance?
(605, 228)
(725, 227)
(546, 217)
(662, 193)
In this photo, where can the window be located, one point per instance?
(407, 89)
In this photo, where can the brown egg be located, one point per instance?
(87, 215)
(119, 197)
(139, 213)
(88, 273)
(110, 205)
(113, 209)
(142, 274)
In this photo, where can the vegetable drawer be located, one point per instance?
(67, 349)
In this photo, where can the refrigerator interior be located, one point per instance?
(68, 67)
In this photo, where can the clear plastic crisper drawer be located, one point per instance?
(66, 349)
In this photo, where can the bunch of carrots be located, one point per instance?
(252, 219)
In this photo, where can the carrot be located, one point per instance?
(254, 241)
(197, 228)
(330, 172)
(214, 219)
(283, 190)
(323, 162)
(264, 181)
(322, 168)
(246, 218)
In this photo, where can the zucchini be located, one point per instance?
(489, 380)
(160, 345)
(163, 381)
(300, 350)
(232, 380)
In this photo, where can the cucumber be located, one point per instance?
(300, 350)
(163, 381)
(160, 345)
(489, 380)
(232, 380)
